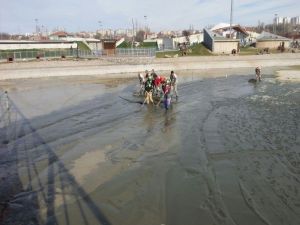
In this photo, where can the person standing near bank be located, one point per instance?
(174, 82)
(258, 73)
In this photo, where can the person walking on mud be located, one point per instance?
(166, 94)
(148, 91)
(258, 73)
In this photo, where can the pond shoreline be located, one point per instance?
(129, 67)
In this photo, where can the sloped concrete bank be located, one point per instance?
(113, 67)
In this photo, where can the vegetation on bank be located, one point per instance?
(127, 44)
(248, 51)
(295, 67)
(199, 50)
(193, 50)
(82, 46)
(255, 51)
(148, 45)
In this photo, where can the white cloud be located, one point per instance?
(166, 14)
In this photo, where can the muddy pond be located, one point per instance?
(87, 153)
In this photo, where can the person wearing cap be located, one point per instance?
(157, 81)
(174, 82)
(258, 73)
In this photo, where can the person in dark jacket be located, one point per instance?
(149, 90)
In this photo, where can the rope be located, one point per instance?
(131, 101)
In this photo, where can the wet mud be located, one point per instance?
(227, 152)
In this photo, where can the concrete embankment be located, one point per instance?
(127, 67)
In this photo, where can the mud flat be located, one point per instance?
(227, 152)
(289, 75)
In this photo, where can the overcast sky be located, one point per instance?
(77, 15)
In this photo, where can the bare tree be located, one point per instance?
(187, 34)
(4, 36)
(98, 36)
(140, 36)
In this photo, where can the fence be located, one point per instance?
(119, 52)
(136, 52)
(37, 54)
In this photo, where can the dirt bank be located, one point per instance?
(128, 67)
(289, 75)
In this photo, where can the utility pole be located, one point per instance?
(132, 33)
(145, 27)
(275, 24)
(36, 25)
(100, 24)
(231, 12)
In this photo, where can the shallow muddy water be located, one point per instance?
(227, 152)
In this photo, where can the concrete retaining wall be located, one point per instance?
(271, 44)
(225, 47)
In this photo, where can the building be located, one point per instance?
(109, 46)
(286, 20)
(271, 41)
(169, 43)
(219, 44)
(235, 32)
(59, 35)
(192, 39)
(29, 45)
(252, 35)
(92, 43)
(278, 20)
(295, 20)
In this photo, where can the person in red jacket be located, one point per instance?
(166, 93)
(156, 84)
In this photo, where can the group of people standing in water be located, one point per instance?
(163, 88)
(152, 84)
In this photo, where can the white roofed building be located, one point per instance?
(236, 32)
